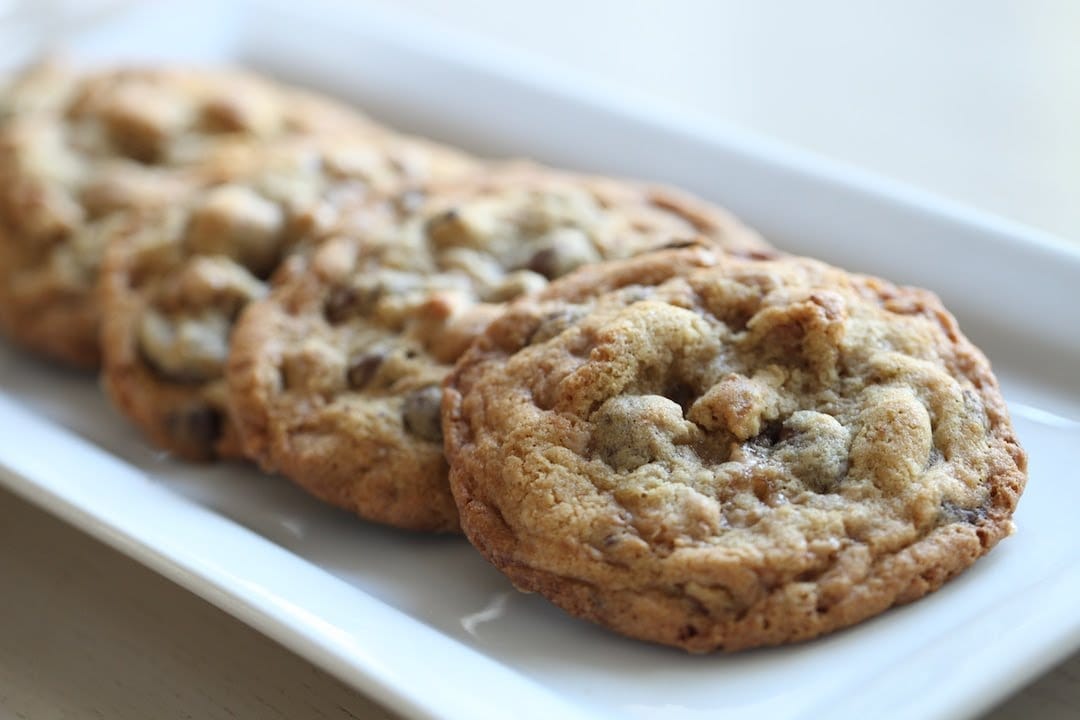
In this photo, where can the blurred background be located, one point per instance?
(974, 100)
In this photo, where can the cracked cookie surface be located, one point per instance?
(174, 281)
(78, 150)
(335, 377)
(716, 453)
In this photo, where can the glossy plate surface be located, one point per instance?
(423, 624)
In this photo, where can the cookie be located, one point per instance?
(715, 453)
(334, 378)
(77, 150)
(174, 281)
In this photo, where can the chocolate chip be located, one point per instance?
(559, 251)
(421, 413)
(545, 262)
(138, 147)
(934, 458)
(197, 427)
(339, 304)
(687, 632)
(345, 302)
(773, 433)
(951, 512)
(681, 244)
(554, 323)
(362, 370)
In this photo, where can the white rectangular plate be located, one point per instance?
(423, 624)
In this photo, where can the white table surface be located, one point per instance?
(976, 101)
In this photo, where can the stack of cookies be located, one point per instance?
(626, 399)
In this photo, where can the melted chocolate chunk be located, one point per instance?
(346, 302)
(198, 426)
(339, 304)
(362, 370)
(420, 413)
(770, 435)
(951, 512)
(545, 262)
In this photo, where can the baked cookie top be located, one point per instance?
(76, 149)
(175, 279)
(335, 376)
(716, 453)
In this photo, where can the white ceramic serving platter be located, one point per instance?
(423, 624)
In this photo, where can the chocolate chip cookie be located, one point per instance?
(78, 149)
(175, 280)
(335, 377)
(715, 453)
